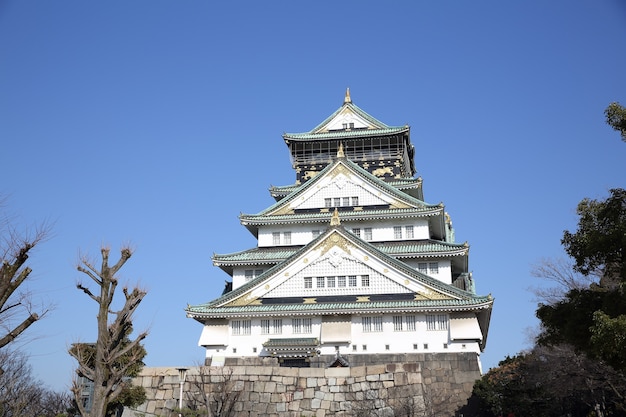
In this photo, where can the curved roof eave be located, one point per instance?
(345, 134)
(445, 305)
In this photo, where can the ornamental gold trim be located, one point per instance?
(334, 240)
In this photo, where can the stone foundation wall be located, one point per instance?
(438, 384)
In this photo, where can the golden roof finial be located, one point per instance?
(347, 99)
(340, 153)
(334, 221)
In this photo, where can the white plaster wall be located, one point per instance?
(387, 341)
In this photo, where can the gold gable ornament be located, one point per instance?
(334, 221)
(340, 153)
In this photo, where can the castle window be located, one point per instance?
(341, 281)
(250, 274)
(414, 346)
(404, 323)
(354, 348)
(372, 324)
(368, 233)
(352, 280)
(425, 346)
(308, 282)
(356, 232)
(409, 232)
(445, 346)
(241, 327)
(386, 347)
(365, 280)
(364, 348)
(397, 232)
(336, 201)
(277, 326)
(330, 281)
(274, 326)
(410, 323)
(436, 322)
(428, 268)
(355, 201)
(346, 201)
(301, 326)
(398, 324)
(320, 282)
(276, 238)
(328, 202)
(287, 238)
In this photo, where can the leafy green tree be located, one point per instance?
(593, 320)
(600, 241)
(616, 118)
(114, 356)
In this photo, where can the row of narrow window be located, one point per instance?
(341, 202)
(399, 232)
(341, 281)
(369, 324)
(271, 326)
(408, 323)
(428, 268)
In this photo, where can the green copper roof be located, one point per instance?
(402, 249)
(468, 304)
(347, 216)
(347, 134)
(376, 126)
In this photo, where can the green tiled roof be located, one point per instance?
(401, 249)
(380, 128)
(347, 134)
(468, 304)
(291, 342)
(347, 215)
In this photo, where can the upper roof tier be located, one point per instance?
(377, 147)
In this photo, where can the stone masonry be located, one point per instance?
(423, 385)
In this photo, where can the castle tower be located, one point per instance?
(352, 266)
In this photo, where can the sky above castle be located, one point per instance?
(155, 123)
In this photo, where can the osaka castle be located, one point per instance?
(352, 266)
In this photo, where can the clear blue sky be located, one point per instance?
(156, 123)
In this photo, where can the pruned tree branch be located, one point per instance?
(15, 248)
(114, 355)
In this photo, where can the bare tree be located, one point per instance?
(17, 312)
(562, 278)
(115, 354)
(21, 395)
(214, 392)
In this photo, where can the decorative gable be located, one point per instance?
(337, 266)
(339, 185)
(348, 117)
